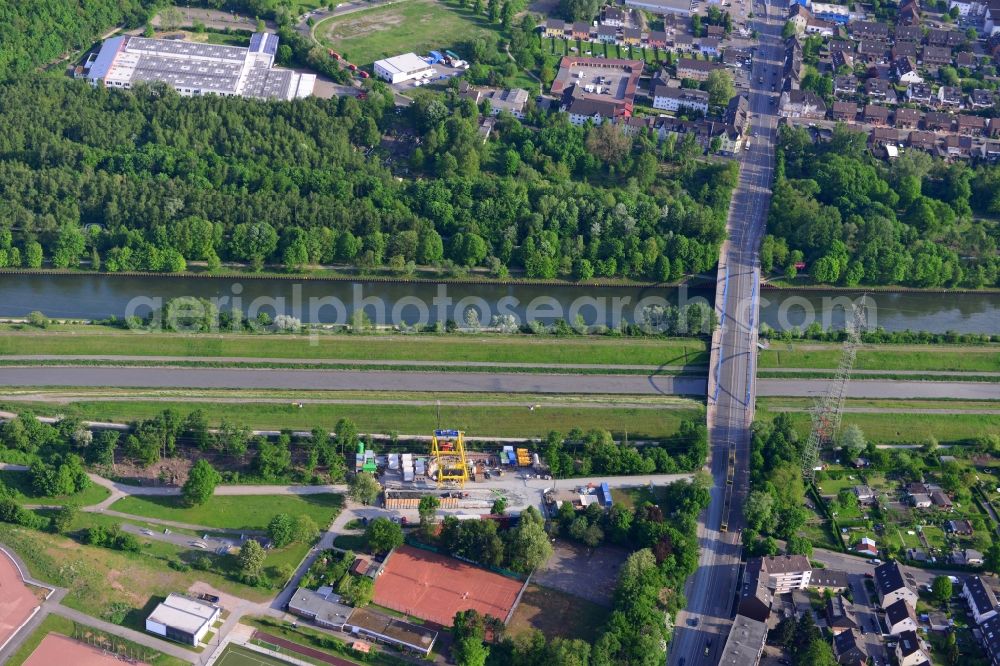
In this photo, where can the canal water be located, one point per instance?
(328, 301)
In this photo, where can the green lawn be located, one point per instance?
(234, 512)
(415, 25)
(487, 421)
(60, 625)
(449, 347)
(19, 484)
(985, 358)
(234, 655)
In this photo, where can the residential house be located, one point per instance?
(974, 126)
(905, 118)
(968, 556)
(911, 650)
(966, 59)
(637, 125)
(982, 602)
(868, 30)
(884, 137)
(828, 579)
(964, 6)
(981, 99)
(512, 100)
(900, 617)
(581, 30)
(993, 127)
(948, 38)
(906, 71)
(941, 500)
(874, 115)
(745, 642)
(841, 60)
(908, 14)
(845, 111)
(801, 104)
(821, 28)
(926, 141)
(935, 121)
(849, 648)
(918, 555)
(904, 50)
(990, 639)
(683, 42)
(938, 621)
(785, 573)
(716, 31)
(891, 586)
(950, 96)
(880, 89)
(662, 7)
(688, 68)
(956, 147)
(866, 547)
(556, 28)
(935, 56)
(737, 114)
(864, 494)
(909, 33)
(607, 34)
(582, 109)
(840, 615)
(799, 17)
(920, 500)
(918, 93)
(616, 17)
(845, 85)
(657, 39)
(874, 50)
(631, 36)
(755, 597)
(675, 99)
(709, 46)
(736, 57)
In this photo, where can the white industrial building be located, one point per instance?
(401, 68)
(182, 619)
(194, 68)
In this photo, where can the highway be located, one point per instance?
(701, 629)
(729, 411)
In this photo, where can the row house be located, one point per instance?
(618, 17)
(876, 115)
(874, 50)
(949, 38)
(966, 59)
(708, 46)
(971, 125)
(868, 30)
(926, 141)
(716, 31)
(956, 147)
(607, 34)
(581, 30)
(882, 137)
(911, 650)
(842, 59)
(845, 111)
(845, 85)
(904, 50)
(981, 99)
(555, 28)
(908, 14)
(936, 56)
(657, 39)
(936, 121)
(905, 118)
(909, 33)
(688, 68)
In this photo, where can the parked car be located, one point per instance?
(211, 598)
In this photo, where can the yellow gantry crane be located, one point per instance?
(448, 450)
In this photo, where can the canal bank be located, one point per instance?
(98, 296)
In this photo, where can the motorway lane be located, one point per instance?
(730, 426)
(701, 629)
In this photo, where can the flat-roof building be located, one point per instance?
(194, 68)
(682, 7)
(402, 68)
(387, 629)
(745, 642)
(323, 609)
(182, 619)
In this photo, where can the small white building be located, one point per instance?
(401, 68)
(182, 619)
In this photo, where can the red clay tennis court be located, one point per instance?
(17, 601)
(434, 587)
(58, 649)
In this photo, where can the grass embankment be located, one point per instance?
(56, 624)
(591, 350)
(19, 485)
(971, 358)
(904, 424)
(237, 512)
(318, 640)
(516, 420)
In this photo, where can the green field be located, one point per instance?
(243, 512)
(234, 655)
(517, 420)
(415, 25)
(19, 485)
(55, 624)
(448, 347)
(984, 358)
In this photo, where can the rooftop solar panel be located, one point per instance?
(255, 40)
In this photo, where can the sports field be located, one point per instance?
(17, 601)
(234, 655)
(416, 25)
(58, 649)
(434, 587)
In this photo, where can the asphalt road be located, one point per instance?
(701, 629)
(731, 412)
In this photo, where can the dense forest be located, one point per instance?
(919, 221)
(147, 180)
